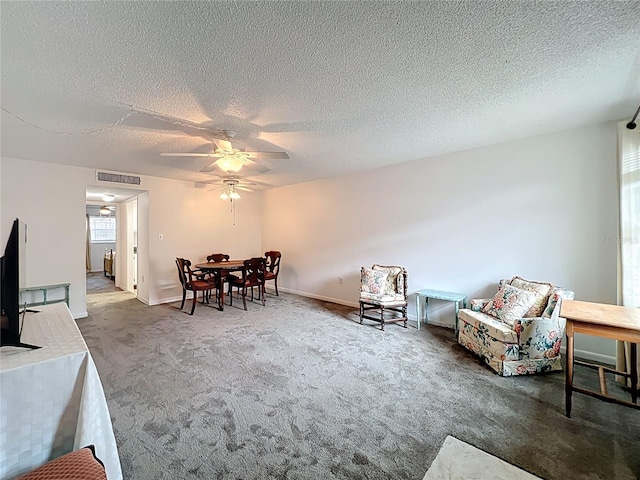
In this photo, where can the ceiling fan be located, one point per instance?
(105, 210)
(231, 159)
(231, 185)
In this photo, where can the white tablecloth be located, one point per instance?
(51, 399)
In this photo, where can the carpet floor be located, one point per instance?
(97, 282)
(300, 390)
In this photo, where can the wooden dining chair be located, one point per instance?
(219, 257)
(272, 267)
(252, 276)
(191, 282)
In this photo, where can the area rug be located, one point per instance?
(457, 460)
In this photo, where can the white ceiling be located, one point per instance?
(95, 194)
(340, 86)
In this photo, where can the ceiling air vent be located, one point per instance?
(117, 178)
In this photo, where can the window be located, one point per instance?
(103, 229)
(629, 171)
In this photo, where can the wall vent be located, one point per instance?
(117, 178)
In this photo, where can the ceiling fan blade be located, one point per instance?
(210, 168)
(223, 145)
(240, 187)
(268, 155)
(256, 167)
(222, 177)
(187, 155)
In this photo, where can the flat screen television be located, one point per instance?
(13, 278)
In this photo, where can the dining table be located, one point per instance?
(220, 269)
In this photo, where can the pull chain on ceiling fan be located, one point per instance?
(230, 187)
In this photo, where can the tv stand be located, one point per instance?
(56, 402)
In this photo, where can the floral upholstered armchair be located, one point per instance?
(383, 289)
(519, 331)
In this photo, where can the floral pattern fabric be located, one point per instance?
(531, 367)
(372, 281)
(487, 325)
(383, 299)
(540, 337)
(395, 279)
(487, 346)
(557, 294)
(509, 304)
(539, 289)
(477, 304)
(529, 346)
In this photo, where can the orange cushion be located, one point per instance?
(79, 465)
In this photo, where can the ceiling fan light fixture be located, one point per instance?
(224, 196)
(231, 163)
(108, 197)
(234, 195)
(104, 210)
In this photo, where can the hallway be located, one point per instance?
(97, 282)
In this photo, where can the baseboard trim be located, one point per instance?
(78, 316)
(596, 357)
(437, 323)
(320, 297)
(161, 301)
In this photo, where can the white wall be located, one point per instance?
(50, 199)
(195, 222)
(97, 255)
(544, 208)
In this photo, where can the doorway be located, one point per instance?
(101, 234)
(120, 269)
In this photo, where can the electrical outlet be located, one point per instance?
(160, 237)
(340, 279)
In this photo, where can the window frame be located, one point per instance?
(92, 229)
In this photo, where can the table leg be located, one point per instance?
(633, 357)
(457, 310)
(568, 385)
(418, 311)
(426, 309)
(221, 290)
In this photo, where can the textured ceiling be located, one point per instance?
(340, 86)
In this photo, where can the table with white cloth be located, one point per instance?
(51, 399)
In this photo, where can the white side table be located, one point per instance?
(457, 298)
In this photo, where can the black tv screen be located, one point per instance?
(13, 279)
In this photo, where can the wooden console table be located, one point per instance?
(602, 320)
